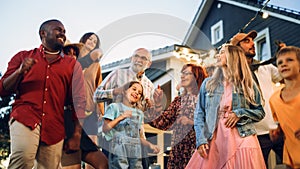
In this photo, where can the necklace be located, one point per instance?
(51, 53)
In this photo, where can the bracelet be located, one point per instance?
(87, 113)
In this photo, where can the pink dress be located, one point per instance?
(228, 150)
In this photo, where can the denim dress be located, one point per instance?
(125, 146)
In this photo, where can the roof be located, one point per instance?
(155, 52)
(125, 62)
(205, 6)
(153, 73)
(273, 8)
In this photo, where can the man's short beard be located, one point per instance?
(250, 55)
(137, 69)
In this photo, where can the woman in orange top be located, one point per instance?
(285, 105)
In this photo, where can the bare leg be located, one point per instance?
(96, 159)
(76, 166)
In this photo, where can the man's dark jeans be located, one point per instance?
(267, 145)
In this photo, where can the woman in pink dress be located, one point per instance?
(228, 105)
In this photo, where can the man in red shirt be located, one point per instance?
(43, 79)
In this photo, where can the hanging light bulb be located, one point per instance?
(185, 51)
(257, 13)
(176, 54)
(188, 58)
(199, 61)
(265, 15)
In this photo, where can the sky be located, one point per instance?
(20, 21)
(123, 25)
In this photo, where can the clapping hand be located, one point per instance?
(149, 103)
(126, 114)
(26, 65)
(96, 54)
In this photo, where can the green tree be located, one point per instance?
(5, 109)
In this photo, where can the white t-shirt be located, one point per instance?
(267, 76)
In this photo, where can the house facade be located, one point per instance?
(219, 20)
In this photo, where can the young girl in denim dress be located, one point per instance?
(123, 127)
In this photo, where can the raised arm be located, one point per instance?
(90, 58)
(104, 91)
(18, 67)
(109, 123)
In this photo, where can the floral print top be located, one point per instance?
(183, 137)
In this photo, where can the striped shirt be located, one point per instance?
(118, 78)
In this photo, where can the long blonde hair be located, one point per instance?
(237, 72)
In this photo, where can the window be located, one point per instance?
(217, 32)
(262, 45)
(262, 52)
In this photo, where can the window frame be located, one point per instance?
(213, 29)
(263, 34)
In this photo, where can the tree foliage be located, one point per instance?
(5, 109)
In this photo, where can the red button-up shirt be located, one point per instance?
(43, 91)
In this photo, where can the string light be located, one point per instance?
(204, 58)
(211, 59)
(185, 51)
(265, 15)
(208, 58)
(252, 19)
(176, 54)
(188, 58)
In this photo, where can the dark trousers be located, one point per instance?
(267, 145)
(145, 157)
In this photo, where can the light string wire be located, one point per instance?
(252, 19)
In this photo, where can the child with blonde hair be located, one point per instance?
(285, 105)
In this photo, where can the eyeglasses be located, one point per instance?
(186, 73)
(143, 58)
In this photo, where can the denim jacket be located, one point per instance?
(206, 113)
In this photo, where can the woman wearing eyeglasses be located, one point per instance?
(179, 117)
